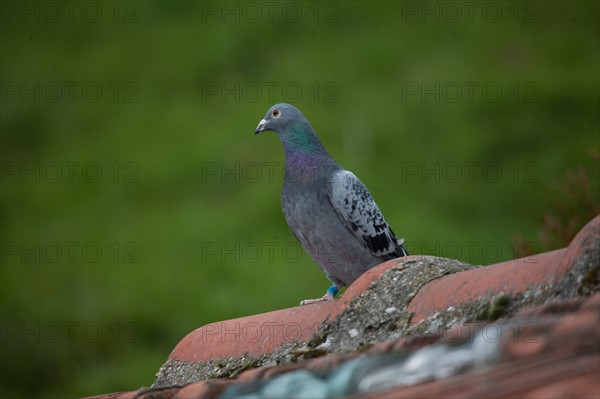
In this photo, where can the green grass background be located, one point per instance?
(76, 327)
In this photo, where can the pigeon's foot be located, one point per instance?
(329, 295)
(326, 297)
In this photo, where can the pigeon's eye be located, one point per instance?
(276, 113)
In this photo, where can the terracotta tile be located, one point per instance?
(585, 239)
(203, 389)
(524, 341)
(459, 334)
(414, 342)
(509, 277)
(562, 371)
(161, 393)
(592, 303)
(329, 362)
(584, 386)
(577, 331)
(252, 374)
(323, 363)
(263, 333)
(522, 337)
(253, 335)
(549, 308)
(381, 348)
(574, 331)
(361, 285)
(281, 369)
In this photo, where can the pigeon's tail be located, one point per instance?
(401, 251)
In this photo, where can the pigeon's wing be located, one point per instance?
(360, 214)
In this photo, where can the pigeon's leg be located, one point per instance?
(329, 295)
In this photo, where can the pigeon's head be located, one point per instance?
(279, 118)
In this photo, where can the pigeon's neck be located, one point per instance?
(306, 160)
(302, 139)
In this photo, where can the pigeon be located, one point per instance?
(329, 210)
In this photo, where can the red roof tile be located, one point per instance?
(508, 277)
(203, 389)
(253, 335)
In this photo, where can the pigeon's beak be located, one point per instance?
(261, 126)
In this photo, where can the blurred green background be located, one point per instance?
(137, 205)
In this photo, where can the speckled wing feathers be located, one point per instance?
(359, 212)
